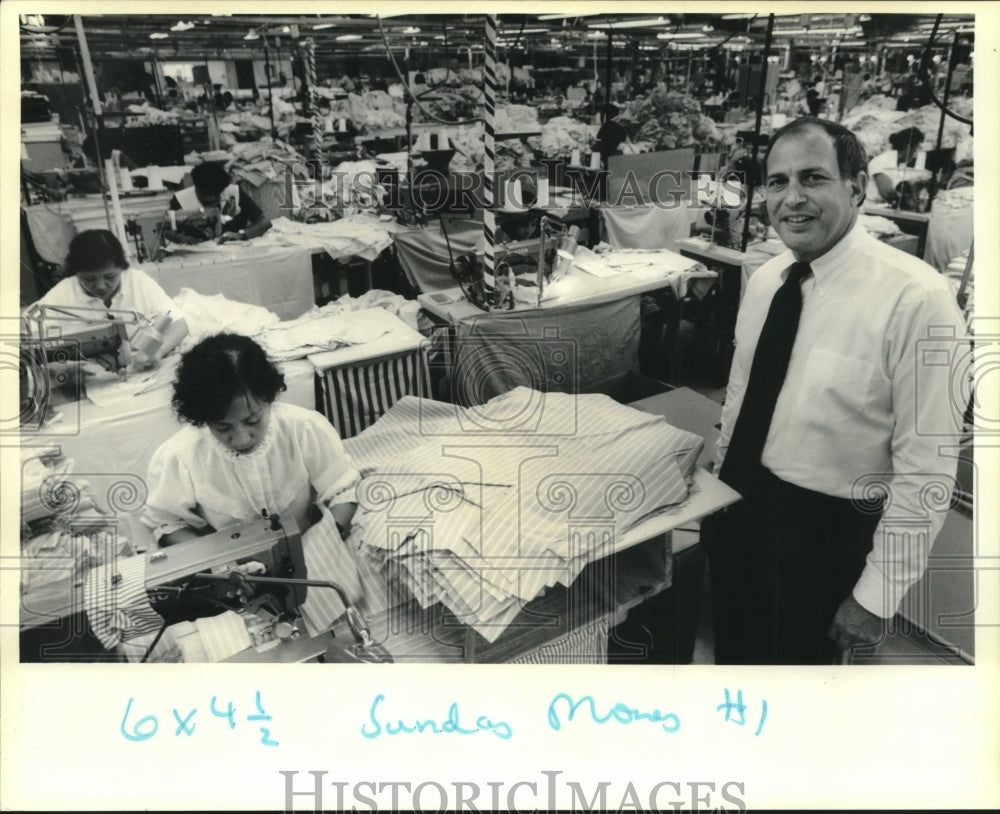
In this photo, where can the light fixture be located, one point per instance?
(286, 30)
(411, 29)
(737, 16)
(670, 35)
(643, 23)
(321, 26)
(251, 35)
(565, 16)
(158, 35)
(349, 37)
(181, 26)
(707, 28)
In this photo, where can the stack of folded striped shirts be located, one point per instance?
(483, 508)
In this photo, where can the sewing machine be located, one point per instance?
(92, 334)
(198, 577)
(274, 595)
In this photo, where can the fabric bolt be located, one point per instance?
(867, 392)
(116, 602)
(196, 482)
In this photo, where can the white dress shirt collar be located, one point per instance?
(827, 266)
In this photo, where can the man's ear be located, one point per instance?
(859, 188)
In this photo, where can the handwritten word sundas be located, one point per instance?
(451, 724)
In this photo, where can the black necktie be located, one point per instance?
(767, 374)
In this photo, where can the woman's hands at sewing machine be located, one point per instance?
(143, 361)
(180, 237)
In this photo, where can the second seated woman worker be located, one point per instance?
(218, 198)
(243, 453)
(98, 277)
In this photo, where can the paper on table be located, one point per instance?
(106, 394)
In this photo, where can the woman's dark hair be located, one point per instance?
(210, 178)
(911, 136)
(217, 370)
(94, 250)
(851, 156)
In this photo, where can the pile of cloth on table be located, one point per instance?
(483, 508)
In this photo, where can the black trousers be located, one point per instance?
(780, 563)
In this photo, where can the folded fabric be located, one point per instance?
(116, 602)
(483, 508)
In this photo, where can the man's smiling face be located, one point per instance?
(808, 202)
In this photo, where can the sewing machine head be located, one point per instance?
(230, 561)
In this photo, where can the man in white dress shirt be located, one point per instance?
(808, 564)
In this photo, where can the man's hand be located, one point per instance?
(852, 624)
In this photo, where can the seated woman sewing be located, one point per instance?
(244, 453)
(214, 208)
(904, 151)
(98, 280)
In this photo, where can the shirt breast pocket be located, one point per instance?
(841, 387)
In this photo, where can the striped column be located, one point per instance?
(317, 120)
(489, 158)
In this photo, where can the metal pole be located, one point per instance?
(88, 67)
(270, 95)
(489, 147)
(88, 71)
(756, 133)
(607, 76)
(947, 86)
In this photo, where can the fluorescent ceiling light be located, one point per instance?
(565, 16)
(737, 16)
(182, 26)
(411, 29)
(348, 37)
(158, 35)
(535, 31)
(251, 35)
(669, 35)
(321, 26)
(644, 23)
